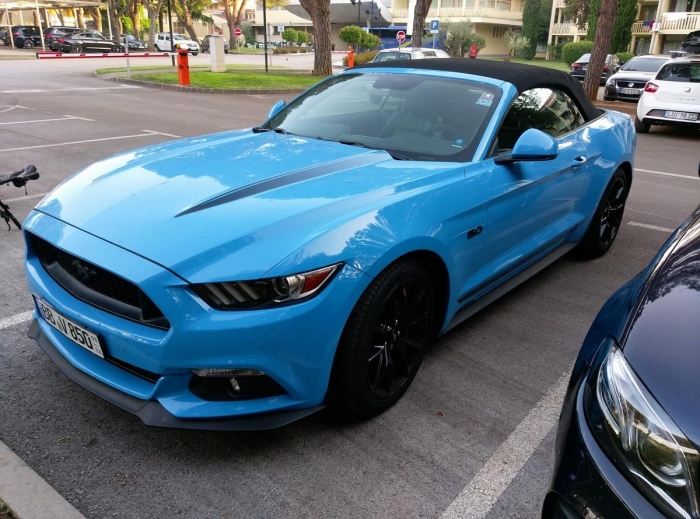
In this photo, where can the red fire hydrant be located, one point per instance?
(351, 58)
(473, 51)
(183, 67)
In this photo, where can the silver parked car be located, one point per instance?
(408, 53)
(628, 83)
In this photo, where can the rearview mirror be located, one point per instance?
(531, 145)
(276, 108)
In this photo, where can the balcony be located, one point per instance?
(567, 29)
(679, 23)
(485, 15)
(639, 28)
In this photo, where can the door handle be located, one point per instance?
(578, 162)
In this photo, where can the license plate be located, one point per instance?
(630, 91)
(74, 332)
(685, 116)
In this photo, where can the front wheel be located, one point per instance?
(158, 49)
(383, 341)
(77, 48)
(28, 44)
(607, 219)
(641, 126)
(195, 53)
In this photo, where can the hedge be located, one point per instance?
(624, 57)
(574, 50)
(290, 50)
(362, 57)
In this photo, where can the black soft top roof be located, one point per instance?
(522, 77)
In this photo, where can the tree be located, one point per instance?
(578, 11)
(189, 11)
(370, 41)
(458, 37)
(351, 34)
(289, 35)
(153, 8)
(248, 32)
(302, 37)
(601, 46)
(536, 16)
(622, 31)
(320, 14)
(515, 41)
(420, 13)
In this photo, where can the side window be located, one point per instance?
(549, 110)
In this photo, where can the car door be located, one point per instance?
(102, 44)
(534, 205)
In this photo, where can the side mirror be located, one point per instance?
(276, 108)
(532, 145)
(616, 69)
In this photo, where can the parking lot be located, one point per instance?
(473, 437)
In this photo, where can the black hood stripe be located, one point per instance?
(287, 179)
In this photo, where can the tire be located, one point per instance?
(118, 48)
(28, 44)
(157, 48)
(398, 309)
(195, 53)
(642, 126)
(78, 48)
(607, 218)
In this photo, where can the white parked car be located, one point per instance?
(163, 43)
(408, 53)
(672, 97)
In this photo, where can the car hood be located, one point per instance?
(663, 344)
(232, 204)
(633, 75)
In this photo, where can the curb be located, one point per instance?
(27, 494)
(197, 90)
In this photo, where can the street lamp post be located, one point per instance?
(172, 42)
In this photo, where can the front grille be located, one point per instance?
(97, 286)
(621, 83)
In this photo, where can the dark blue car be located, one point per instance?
(629, 434)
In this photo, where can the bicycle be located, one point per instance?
(18, 179)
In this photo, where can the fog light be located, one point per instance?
(234, 384)
(220, 384)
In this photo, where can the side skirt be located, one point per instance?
(508, 285)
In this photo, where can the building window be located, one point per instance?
(250, 15)
(499, 31)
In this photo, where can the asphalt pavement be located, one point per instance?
(477, 421)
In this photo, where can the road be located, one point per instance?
(477, 387)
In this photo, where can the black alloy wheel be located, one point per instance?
(77, 48)
(28, 44)
(384, 339)
(607, 219)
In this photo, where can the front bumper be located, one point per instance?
(585, 482)
(293, 345)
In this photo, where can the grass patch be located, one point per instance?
(170, 67)
(5, 512)
(234, 80)
(556, 65)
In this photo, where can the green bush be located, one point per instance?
(370, 41)
(624, 57)
(362, 57)
(574, 50)
(290, 50)
(554, 51)
(351, 34)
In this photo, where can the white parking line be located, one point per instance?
(15, 319)
(666, 174)
(145, 134)
(64, 118)
(652, 227)
(482, 492)
(25, 197)
(82, 89)
(161, 133)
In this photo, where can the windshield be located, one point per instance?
(31, 30)
(411, 116)
(680, 72)
(178, 37)
(644, 65)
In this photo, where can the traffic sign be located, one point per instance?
(434, 26)
(238, 32)
(280, 29)
(400, 36)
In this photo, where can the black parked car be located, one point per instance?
(206, 45)
(52, 32)
(25, 36)
(4, 37)
(88, 42)
(628, 444)
(134, 44)
(579, 67)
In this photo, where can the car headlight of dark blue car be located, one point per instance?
(265, 293)
(639, 436)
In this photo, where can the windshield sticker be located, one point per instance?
(485, 100)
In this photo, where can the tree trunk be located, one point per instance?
(96, 17)
(228, 11)
(153, 11)
(81, 18)
(233, 42)
(36, 17)
(320, 13)
(419, 16)
(59, 13)
(136, 20)
(601, 46)
(187, 20)
(114, 18)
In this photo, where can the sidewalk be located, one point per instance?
(27, 494)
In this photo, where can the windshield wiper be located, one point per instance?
(260, 129)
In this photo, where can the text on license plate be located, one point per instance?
(682, 115)
(630, 91)
(74, 332)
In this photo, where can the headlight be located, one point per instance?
(265, 293)
(639, 436)
(610, 82)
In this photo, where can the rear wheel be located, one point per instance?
(382, 345)
(607, 219)
(28, 44)
(158, 49)
(641, 126)
(118, 48)
(195, 53)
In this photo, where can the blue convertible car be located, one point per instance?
(246, 279)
